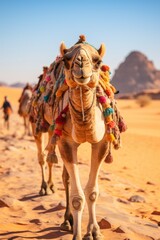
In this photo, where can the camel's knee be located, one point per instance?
(91, 194)
(41, 159)
(77, 202)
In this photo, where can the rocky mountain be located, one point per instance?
(18, 85)
(3, 84)
(136, 74)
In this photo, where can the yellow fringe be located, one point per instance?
(110, 137)
(105, 82)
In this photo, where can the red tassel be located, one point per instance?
(105, 68)
(60, 120)
(111, 124)
(58, 132)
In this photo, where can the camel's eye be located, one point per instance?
(99, 63)
(96, 61)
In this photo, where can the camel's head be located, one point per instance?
(82, 63)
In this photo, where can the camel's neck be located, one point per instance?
(85, 115)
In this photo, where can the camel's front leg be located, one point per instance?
(25, 125)
(99, 151)
(41, 160)
(68, 218)
(68, 152)
(51, 159)
(28, 127)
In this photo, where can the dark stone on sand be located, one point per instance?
(104, 224)
(150, 183)
(36, 221)
(156, 213)
(140, 190)
(119, 230)
(122, 201)
(136, 198)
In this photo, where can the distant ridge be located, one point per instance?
(3, 84)
(14, 85)
(136, 74)
(18, 85)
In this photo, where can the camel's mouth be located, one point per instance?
(82, 81)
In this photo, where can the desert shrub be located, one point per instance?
(143, 100)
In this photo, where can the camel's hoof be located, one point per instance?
(97, 236)
(52, 188)
(65, 226)
(42, 192)
(93, 236)
(87, 236)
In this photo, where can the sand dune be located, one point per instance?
(128, 207)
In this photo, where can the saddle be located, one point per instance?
(53, 91)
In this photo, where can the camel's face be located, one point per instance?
(82, 63)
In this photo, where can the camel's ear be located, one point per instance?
(102, 50)
(63, 49)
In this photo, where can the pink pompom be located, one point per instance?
(102, 99)
(48, 78)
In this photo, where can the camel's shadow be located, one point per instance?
(52, 233)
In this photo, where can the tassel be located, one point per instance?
(48, 78)
(46, 98)
(108, 111)
(102, 99)
(105, 68)
(110, 137)
(34, 103)
(58, 132)
(42, 89)
(109, 158)
(108, 118)
(54, 139)
(122, 125)
(111, 124)
(52, 157)
(52, 127)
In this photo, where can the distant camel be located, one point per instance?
(23, 110)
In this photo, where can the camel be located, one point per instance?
(38, 129)
(85, 116)
(23, 110)
(86, 124)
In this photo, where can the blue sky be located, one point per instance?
(31, 32)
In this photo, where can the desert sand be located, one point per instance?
(128, 207)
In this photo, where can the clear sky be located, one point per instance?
(31, 32)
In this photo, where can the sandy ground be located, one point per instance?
(133, 176)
